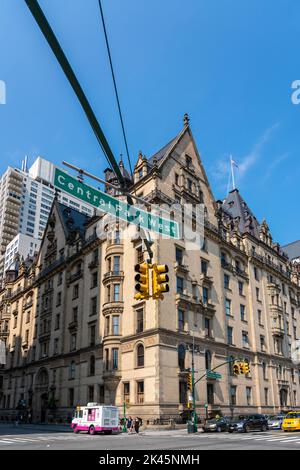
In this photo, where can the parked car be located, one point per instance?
(292, 421)
(247, 423)
(216, 425)
(275, 421)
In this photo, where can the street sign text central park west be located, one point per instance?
(108, 204)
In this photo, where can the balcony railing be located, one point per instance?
(113, 273)
(50, 268)
(73, 325)
(277, 330)
(75, 277)
(93, 264)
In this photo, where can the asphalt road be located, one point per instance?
(12, 438)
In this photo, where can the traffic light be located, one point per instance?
(245, 368)
(190, 381)
(236, 368)
(160, 280)
(142, 278)
(241, 367)
(189, 390)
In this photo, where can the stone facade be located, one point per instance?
(75, 334)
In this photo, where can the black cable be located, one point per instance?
(49, 35)
(115, 86)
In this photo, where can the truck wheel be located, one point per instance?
(92, 431)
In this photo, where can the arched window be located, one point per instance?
(140, 353)
(181, 356)
(208, 360)
(92, 365)
(72, 370)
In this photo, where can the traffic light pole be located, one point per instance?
(53, 42)
(202, 377)
(124, 429)
(195, 423)
(215, 368)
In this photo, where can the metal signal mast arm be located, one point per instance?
(49, 35)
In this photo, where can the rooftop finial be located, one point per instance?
(121, 160)
(186, 119)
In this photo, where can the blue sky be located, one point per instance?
(229, 64)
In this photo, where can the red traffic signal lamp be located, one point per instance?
(142, 279)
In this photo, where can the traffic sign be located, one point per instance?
(111, 205)
(213, 375)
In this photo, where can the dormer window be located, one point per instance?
(140, 173)
(188, 161)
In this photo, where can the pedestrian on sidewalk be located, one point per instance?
(137, 424)
(129, 425)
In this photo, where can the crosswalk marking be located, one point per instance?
(23, 439)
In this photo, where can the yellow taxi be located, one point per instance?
(292, 421)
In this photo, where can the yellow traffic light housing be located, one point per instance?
(189, 390)
(246, 368)
(142, 278)
(236, 368)
(160, 280)
(190, 382)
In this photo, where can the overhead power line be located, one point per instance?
(47, 31)
(115, 84)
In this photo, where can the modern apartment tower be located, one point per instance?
(26, 198)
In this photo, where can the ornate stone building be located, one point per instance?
(75, 334)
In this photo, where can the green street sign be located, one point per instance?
(108, 204)
(213, 375)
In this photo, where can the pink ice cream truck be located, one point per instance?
(95, 418)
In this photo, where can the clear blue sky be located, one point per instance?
(228, 63)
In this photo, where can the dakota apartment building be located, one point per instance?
(75, 334)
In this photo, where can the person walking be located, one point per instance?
(137, 424)
(129, 425)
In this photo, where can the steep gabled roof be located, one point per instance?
(235, 206)
(292, 250)
(163, 152)
(72, 220)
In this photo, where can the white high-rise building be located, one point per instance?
(26, 198)
(22, 245)
(37, 197)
